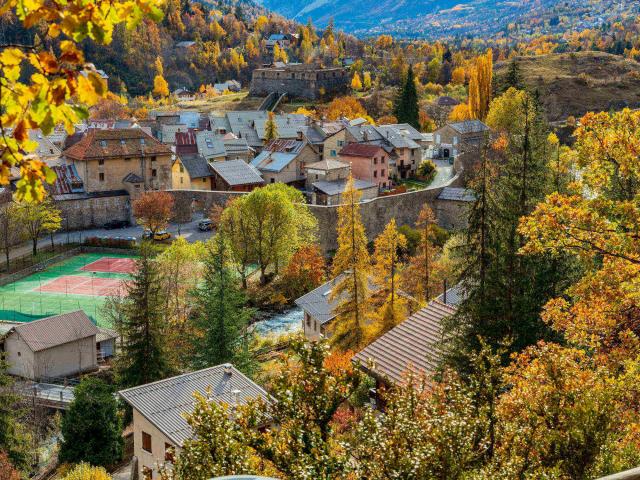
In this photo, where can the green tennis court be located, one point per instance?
(82, 282)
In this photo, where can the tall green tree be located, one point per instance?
(15, 439)
(220, 317)
(141, 322)
(91, 429)
(406, 107)
(506, 290)
(513, 77)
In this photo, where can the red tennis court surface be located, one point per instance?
(111, 264)
(76, 285)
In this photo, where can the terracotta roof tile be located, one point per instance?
(115, 143)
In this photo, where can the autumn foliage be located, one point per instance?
(153, 210)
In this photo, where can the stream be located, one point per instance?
(279, 323)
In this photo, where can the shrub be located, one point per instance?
(84, 471)
(426, 170)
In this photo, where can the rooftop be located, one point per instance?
(164, 403)
(237, 172)
(469, 126)
(99, 144)
(413, 345)
(327, 165)
(457, 194)
(336, 187)
(196, 165)
(361, 150)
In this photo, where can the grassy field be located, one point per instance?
(576, 83)
(25, 300)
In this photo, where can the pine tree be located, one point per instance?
(513, 78)
(270, 128)
(351, 266)
(140, 322)
(406, 109)
(220, 316)
(91, 429)
(388, 247)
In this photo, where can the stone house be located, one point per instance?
(368, 162)
(284, 161)
(330, 192)
(455, 138)
(59, 346)
(159, 426)
(108, 160)
(283, 40)
(299, 80)
(326, 170)
(453, 206)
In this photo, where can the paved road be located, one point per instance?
(444, 173)
(188, 230)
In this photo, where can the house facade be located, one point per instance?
(299, 81)
(284, 161)
(369, 162)
(457, 137)
(159, 408)
(108, 160)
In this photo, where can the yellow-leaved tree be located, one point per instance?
(366, 81)
(480, 85)
(356, 83)
(160, 85)
(386, 257)
(351, 268)
(43, 86)
(270, 128)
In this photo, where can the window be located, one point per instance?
(169, 453)
(308, 321)
(375, 174)
(19, 354)
(181, 179)
(273, 180)
(204, 180)
(146, 442)
(153, 159)
(340, 143)
(101, 161)
(103, 143)
(333, 153)
(101, 176)
(382, 172)
(382, 160)
(154, 172)
(181, 169)
(375, 160)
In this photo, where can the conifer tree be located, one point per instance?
(270, 128)
(15, 440)
(91, 429)
(406, 109)
(140, 322)
(388, 247)
(513, 78)
(423, 264)
(220, 316)
(351, 267)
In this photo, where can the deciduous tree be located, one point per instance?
(351, 268)
(84, 471)
(270, 128)
(160, 85)
(38, 218)
(15, 439)
(11, 229)
(480, 86)
(153, 210)
(356, 82)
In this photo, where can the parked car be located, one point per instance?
(159, 235)
(113, 224)
(205, 225)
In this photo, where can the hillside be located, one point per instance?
(575, 83)
(451, 18)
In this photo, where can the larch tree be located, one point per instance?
(389, 247)
(160, 85)
(406, 108)
(458, 76)
(351, 269)
(422, 277)
(270, 128)
(366, 81)
(141, 322)
(153, 210)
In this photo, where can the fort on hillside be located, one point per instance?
(299, 80)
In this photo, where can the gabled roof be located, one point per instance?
(361, 150)
(336, 187)
(446, 101)
(196, 165)
(412, 345)
(317, 302)
(57, 330)
(327, 165)
(457, 194)
(164, 403)
(470, 126)
(453, 296)
(67, 180)
(237, 172)
(104, 144)
(273, 161)
(400, 135)
(132, 178)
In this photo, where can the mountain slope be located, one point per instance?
(445, 18)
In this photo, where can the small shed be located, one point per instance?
(235, 175)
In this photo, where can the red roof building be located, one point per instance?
(369, 162)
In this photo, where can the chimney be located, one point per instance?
(228, 369)
(236, 396)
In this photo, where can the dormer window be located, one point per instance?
(103, 143)
(122, 142)
(142, 141)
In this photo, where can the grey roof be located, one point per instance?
(469, 126)
(163, 403)
(196, 165)
(237, 172)
(454, 295)
(57, 330)
(210, 144)
(268, 161)
(317, 303)
(400, 135)
(336, 187)
(105, 334)
(457, 194)
(327, 164)
(412, 345)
